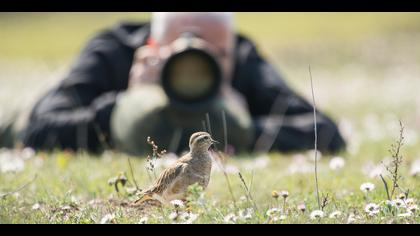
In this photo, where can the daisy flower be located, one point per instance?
(335, 215)
(177, 203)
(372, 209)
(317, 214)
(143, 220)
(272, 212)
(230, 218)
(367, 187)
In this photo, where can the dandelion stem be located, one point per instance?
(18, 189)
(315, 141)
(132, 173)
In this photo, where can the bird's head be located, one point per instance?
(201, 141)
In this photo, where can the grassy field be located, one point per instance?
(366, 76)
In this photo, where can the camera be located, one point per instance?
(191, 75)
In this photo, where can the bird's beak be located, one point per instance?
(214, 141)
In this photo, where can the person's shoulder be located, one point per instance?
(245, 48)
(122, 33)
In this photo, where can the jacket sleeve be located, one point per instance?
(76, 113)
(279, 113)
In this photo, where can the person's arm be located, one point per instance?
(76, 114)
(279, 113)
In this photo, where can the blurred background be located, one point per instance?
(365, 66)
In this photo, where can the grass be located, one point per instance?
(365, 73)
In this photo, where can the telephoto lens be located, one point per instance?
(191, 75)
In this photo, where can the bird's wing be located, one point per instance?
(166, 178)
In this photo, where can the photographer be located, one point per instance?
(168, 78)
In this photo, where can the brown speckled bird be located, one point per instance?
(193, 167)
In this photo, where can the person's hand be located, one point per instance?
(146, 66)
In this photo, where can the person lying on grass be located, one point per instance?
(168, 78)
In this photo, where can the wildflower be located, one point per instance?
(279, 218)
(246, 214)
(389, 203)
(144, 220)
(36, 206)
(230, 218)
(367, 187)
(412, 208)
(352, 218)
(335, 215)
(301, 207)
(108, 218)
(317, 214)
(398, 203)
(372, 209)
(410, 201)
(177, 203)
(337, 163)
(284, 194)
(173, 215)
(275, 194)
(188, 218)
(272, 211)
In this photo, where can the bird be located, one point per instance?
(193, 167)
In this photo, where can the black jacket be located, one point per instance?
(76, 113)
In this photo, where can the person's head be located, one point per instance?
(215, 28)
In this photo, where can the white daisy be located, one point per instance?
(177, 203)
(230, 218)
(413, 208)
(272, 212)
(317, 214)
(335, 215)
(367, 187)
(173, 215)
(107, 218)
(246, 214)
(372, 209)
(144, 220)
(399, 203)
(188, 218)
(279, 218)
